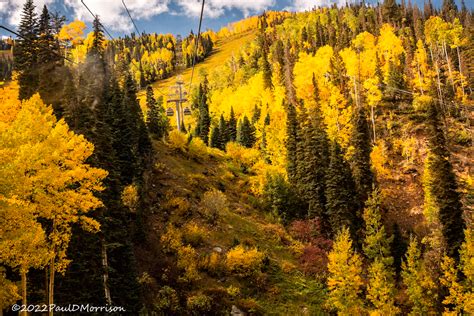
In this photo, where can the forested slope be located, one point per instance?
(326, 166)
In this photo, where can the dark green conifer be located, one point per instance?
(292, 128)
(232, 126)
(214, 139)
(360, 161)
(340, 192)
(25, 52)
(157, 122)
(223, 133)
(246, 133)
(444, 187)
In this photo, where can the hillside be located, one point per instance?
(208, 228)
(224, 48)
(325, 167)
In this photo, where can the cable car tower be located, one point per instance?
(178, 96)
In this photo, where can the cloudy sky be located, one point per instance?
(162, 16)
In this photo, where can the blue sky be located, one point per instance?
(164, 16)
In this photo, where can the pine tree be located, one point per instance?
(232, 126)
(257, 111)
(50, 80)
(291, 142)
(449, 10)
(157, 122)
(246, 133)
(345, 280)
(398, 248)
(214, 139)
(204, 120)
(443, 186)
(381, 288)
(314, 165)
(223, 133)
(26, 52)
(340, 192)
(360, 161)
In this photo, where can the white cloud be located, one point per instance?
(305, 5)
(114, 16)
(10, 10)
(216, 8)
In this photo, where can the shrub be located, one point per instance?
(179, 205)
(171, 240)
(177, 140)
(421, 103)
(188, 260)
(244, 262)
(197, 149)
(166, 301)
(193, 234)
(314, 260)
(246, 157)
(130, 197)
(199, 304)
(212, 263)
(212, 203)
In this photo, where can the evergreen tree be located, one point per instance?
(381, 289)
(204, 120)
(313, 165)
(391, 11)
(232, 129)
(157, 122)
(257, 111)
(214, 139)
(291, 142)
(398, 248)
(449, 10)
(443, 186)
(360, 162)
(25, 52)
(223, 133)
(345, 280)
(340, 192)
(267, 71)
(246, 133)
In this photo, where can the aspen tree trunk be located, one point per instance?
(105, 267)
(460, 71)
(24, 301)
(372, 117)
(449, 65)
(51, 285)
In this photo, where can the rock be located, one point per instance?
(217, 249)
(236, 311)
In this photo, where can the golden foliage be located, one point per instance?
(130, 197)
(43, 173)
(244, 262)
(177, 140)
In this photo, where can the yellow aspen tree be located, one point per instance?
(8, 291)
(454, 301)
(381, 288)
(467, 267)
(345, 281)
(421, 289)
(389, 48)
(45, 164)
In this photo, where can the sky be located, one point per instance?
(164, 16)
